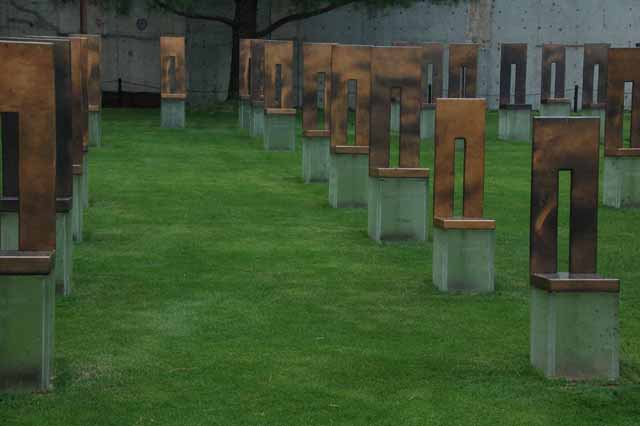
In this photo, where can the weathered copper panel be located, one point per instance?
(622, 67)
(459, 119)
(553, 53)
(278, 55)
(80, 76)
(30, 92)
(561, 143)
(174, 72)
(94, 46)
(432, 54)
(350, 63)
(398, 68)
(64, 136)
(513, 54)
(244, 67)
(316, 59)
(463, 57)
(257, 70)
(595, 54)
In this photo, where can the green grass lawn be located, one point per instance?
(215, 288)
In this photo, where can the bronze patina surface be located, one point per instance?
(463, 57)
(432, 55)
(64, 178)
(622, 67)
(30, 95)
(595, 54)
(316, 59)
(257, 71)
(513, 54)
(561, 143)
(278, 90)
(350, 63)
(80, 89)
(395, 69)
(94, 46)
(244, 68)
(172, 61)
(553, 54)
(460, 119)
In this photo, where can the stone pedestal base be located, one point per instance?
(621, 182)
(10, 240)
(85, 181)
(428, 122)
(394, 123)
(574, 335)
(463, 260)
(600, 113)
(348, 178)
(257, 121)
(173, 113)
(555, 108)
(64, 253)
(244, 114)
(27, 312)
(77, 212)
(398, 208)
(515, 123)
(280, 131)
(95, 129)
(315, 157)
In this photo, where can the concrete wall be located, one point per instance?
(131, 43)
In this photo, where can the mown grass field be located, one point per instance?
(215, 288)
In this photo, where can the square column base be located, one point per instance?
(244, 114)
(173, 113)
(64, 253)
(463, 260)
(427, 123)
(621, 182)
(85, 181)
(315, 159)
(555, 109)
(600, 113)
(95, 129)
(515, 124)
(398, 208)
(348, 180)
(77, 211)
(279, 132)
(27, 313)
(257, 121)
(574, 335)
(394, 123)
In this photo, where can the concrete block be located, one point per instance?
(463, 260)
(600, 113)
(27, 313)
(427, 123)
(315, 159)
(77, 210)
(173, 113)
(257, 121)
(394, 123)
(244, 114)
(575, 335)
(398, 208)
(515, 124)
(279, 132)
(348, 180)
(621, 182)
(95, 129)
(64, 253)
(85, 181)
(555, 109)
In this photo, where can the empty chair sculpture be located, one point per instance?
(244, 84)
(173, 81)
(514, 120)
(553, 101)
(257, 88)
(279, 103)
(595, 72)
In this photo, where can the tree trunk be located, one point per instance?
(245, 27)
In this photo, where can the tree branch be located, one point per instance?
(222, 19)
(299, 16)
